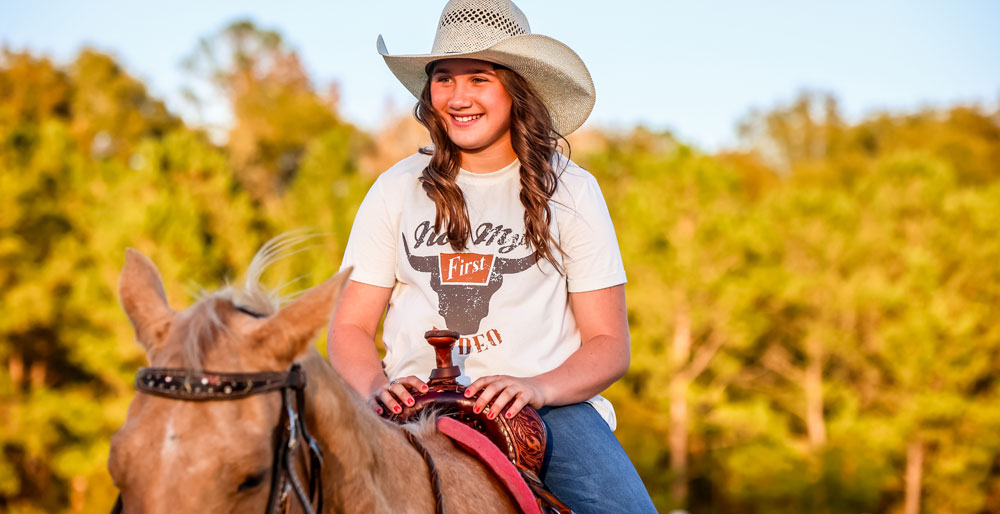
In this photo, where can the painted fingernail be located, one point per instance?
(476, 409)
(491, 415)
(409, 401)
(397, 409)
(423, 387)
(468, 393)
(510, 415)
(378, 410)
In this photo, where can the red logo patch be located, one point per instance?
(465, 268)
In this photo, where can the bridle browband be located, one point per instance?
(200, 386)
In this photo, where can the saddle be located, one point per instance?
(520, 439)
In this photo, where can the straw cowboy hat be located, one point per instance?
(498, 32)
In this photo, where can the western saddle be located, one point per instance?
(521, 438)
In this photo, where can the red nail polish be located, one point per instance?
(476, 409)
(409, 401)
(491, 415)
(468, 393)
(378, 410)
(423, 388)
(509, 415)
(397, 409)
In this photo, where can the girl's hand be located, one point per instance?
(395, 393)
(497, 391)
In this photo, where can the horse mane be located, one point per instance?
(205, 325)
(426, 423)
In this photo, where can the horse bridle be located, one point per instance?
(200, 386)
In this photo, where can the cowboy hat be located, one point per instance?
(497, 31)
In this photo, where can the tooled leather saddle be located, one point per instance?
(521, 439)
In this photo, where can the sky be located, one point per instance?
(694, 68)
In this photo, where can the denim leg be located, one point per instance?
(586, 467)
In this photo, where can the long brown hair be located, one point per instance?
(535, 142)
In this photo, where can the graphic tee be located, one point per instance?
(511, 309)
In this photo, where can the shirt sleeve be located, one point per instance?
(371, 247)
(591, 257)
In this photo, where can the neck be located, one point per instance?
(367, 461)
(489, 158)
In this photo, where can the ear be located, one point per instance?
(291, 329)
(141, 291)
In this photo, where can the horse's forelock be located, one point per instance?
(252, 295)
(204, 325)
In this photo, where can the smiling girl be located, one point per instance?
(493, 233)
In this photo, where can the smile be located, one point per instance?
(467, 118)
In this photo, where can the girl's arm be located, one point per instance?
(603, 358)
(351, 348)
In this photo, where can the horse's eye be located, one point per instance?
(248, 312)
(251, 481)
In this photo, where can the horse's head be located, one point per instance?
(215, 456)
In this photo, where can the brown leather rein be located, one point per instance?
(200, 386)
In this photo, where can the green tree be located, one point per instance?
(68, 214)
(276, 111)
(677, 213)
(932, 333)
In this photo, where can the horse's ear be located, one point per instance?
(141, 291)
(288, 332)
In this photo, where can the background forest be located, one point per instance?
(815, 321)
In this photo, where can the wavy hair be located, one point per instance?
(535, 143)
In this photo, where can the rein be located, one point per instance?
(200, 386)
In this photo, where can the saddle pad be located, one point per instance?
(487, 452)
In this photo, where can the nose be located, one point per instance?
(459, 98)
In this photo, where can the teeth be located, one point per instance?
(467, 118)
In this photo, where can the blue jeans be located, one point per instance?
(586, 467)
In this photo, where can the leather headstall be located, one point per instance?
(201, 386)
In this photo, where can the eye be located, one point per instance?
(479, 80)
(248, 312)
(442, 79)
(251, 481)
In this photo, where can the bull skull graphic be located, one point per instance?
(464, 305)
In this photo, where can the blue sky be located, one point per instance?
(694, 68)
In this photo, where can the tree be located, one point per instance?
(685, 271)
(276, 112)
(68, 214)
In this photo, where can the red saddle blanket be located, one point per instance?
(477, 444)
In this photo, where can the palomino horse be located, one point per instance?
(218, 456)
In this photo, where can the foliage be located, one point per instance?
(855, 294)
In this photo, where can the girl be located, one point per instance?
(491, 232)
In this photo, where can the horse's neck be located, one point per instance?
(368, 463)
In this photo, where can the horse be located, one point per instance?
(173, 455)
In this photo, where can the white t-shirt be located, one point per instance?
(511, 311)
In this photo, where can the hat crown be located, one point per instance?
(471, 25)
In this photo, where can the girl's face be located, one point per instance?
(467, 94)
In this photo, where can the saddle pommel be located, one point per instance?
(442, 341)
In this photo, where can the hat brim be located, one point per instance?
(555, 71)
